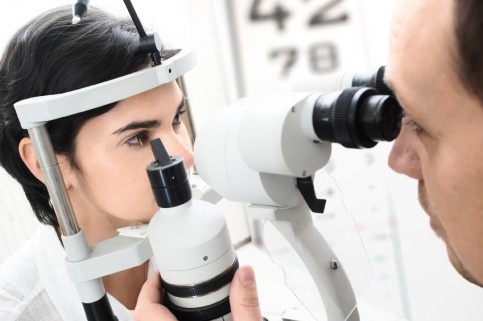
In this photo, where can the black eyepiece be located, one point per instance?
(374, 80)
(357, 117)
(168, 177)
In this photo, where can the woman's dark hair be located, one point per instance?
(469, 28)
(48, 56)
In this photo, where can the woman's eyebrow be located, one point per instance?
(181, 104)
(146, 124)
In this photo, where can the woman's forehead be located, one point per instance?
(154, 104)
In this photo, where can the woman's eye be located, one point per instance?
(177, 118)
(137, 140)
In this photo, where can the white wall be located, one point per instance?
(419, 277)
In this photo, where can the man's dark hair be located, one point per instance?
(469, 29)
(48, 56)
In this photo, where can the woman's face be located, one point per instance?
(112, 189)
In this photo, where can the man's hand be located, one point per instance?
(243, 299)
(244, 296)
(148, 307)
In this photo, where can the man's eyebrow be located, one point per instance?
(388, 83)
(391, 86)
(146, 124)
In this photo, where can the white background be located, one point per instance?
(412, 275)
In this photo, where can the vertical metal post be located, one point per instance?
(191, 125)
(92, 293)
(54, 180)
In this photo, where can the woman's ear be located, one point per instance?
(28, 156)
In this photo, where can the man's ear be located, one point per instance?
(28, 156)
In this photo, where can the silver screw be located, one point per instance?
(334, 265)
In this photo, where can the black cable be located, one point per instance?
(135, 18)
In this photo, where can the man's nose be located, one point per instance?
(404, 158)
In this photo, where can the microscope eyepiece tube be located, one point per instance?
(357, 117)
(374, 80)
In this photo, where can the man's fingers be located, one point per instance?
(244, 296)
(149, 306)
(151, 291)
(243, 299)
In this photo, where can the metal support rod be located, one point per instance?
(135, 18)
(187, 103)
(155, 54)
(93, 294)
(53, 180)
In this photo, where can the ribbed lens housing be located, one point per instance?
(357, 117)
(205, 301)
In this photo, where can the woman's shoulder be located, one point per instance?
(21, 267)
(19, 280)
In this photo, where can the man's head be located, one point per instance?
(436, 69)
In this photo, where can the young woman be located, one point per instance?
(102, 153)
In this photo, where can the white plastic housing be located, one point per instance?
(191, 243)
(36, 111)
(253, 151)
(325, 83)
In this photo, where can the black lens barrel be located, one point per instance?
(357, 117)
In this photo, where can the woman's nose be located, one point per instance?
(188, 157)
(180, 146)
(404, 158)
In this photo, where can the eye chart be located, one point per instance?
(277, 43)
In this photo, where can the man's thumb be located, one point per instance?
(244, 297)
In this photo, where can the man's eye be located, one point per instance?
(137, 140)
(412, 125)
